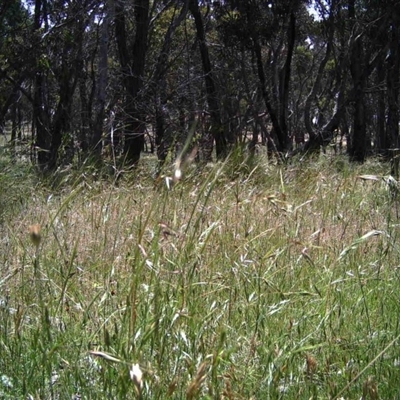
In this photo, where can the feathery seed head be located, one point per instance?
(35, 234)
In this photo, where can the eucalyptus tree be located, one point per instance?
(325, 103)
(211, 90)
(132, 51)
(169, 20)
(14, 57)
(58, 35)
(393, 75)
(373, 40)
(268, 30)
(354, 41)
(93, 82)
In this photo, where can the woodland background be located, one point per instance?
(87, 79)
(272, 272)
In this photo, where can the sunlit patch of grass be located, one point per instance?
(266, 282)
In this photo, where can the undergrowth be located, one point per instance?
(244, 280)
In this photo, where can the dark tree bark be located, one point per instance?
(132, 66)
(67, 75)
(280, 146)
(102, 80)
(163, 137)
(15, 121)
(357, 150)
(212, 96)
(382, 142)
(8, 103)
(62, 119)
(284, 81)
(55, 80)
(277, 107)
(41, 117)
(393, 82)
(360, 62)
(320, 72)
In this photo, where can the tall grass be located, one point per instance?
(248, 281)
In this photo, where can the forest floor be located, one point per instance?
(245, 280)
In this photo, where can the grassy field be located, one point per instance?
(243, 281)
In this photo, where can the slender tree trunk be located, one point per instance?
(62, 119)
(212, 96)
(41, 118)
(382, 142)
(281, 140)
(320, 73)
(162, 138)
(284, 82)
(136, 125)
(162, 132)
(14, 122)
(102, 80)
(357, 66)
(10, 100)
(132, 66)
(392, 84)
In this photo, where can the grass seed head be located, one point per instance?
(172, 386)
(177, 174)
(312, 364)
(35, 234)
(196, 383)
(370, 391)
(136, 375)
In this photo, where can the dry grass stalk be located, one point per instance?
(183, 163)
(172, 386)
(227, 393)
(104, 355)
(196, 383)
(370, 391)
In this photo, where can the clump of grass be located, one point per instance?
(278, 281)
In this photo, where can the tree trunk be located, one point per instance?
(212, 96)
(62, 119)
(41, 117)
(282, 141)
(382, 142)
(136, 125)
(102, 80)
(132, 65)
(358, 147)
(163, 135)
(318, 79)
(284, 81)
(392, 84)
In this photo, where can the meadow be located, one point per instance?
(244, 280)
